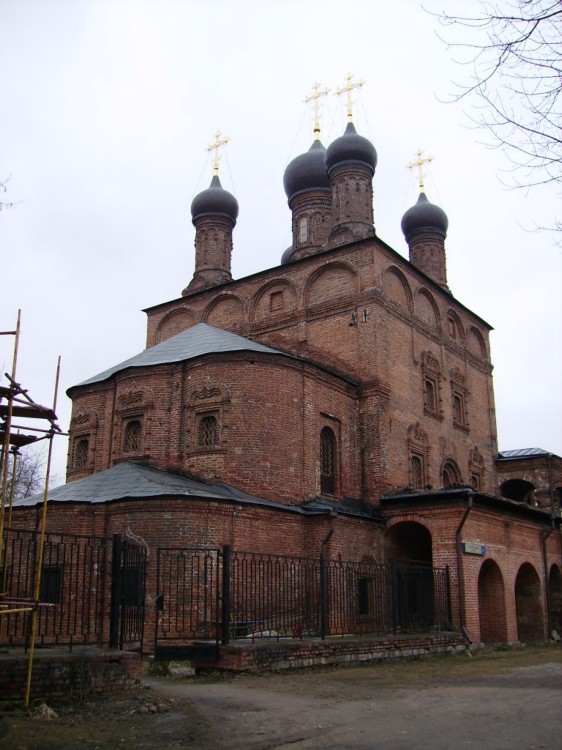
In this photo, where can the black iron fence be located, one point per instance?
(91, 589)
(221, 595)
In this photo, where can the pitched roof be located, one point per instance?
(194, 342)
(523, 453)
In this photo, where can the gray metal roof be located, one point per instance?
(194, 342)
(128, 480)
(523, 453)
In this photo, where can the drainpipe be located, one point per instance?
(544, 537)
(460, 567)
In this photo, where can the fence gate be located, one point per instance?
(127, 599)
(188, 603)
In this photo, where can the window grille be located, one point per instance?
(327, 462)
(81, 452)
(429, 395)
(133, 435)
(417, 472)
(207, 433)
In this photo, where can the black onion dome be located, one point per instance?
(286, 257)
(214, 201)
(424, 215)
(351, 147)
(307, 171)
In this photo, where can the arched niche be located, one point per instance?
(225, 311)
(426, 309)
(528, 605)
(396, 287)
(491, 604)
(519, 490)
(173, 323)
(276, 298)
(330, 282)
(475, 343)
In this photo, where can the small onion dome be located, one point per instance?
(215, 201)
(424, 215)
(286, 257)
(351, 147)
(307, 172)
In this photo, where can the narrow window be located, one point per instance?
(133, 435)
(416, 469)
(475, 481)
(430, 398)
(207, 431)
(51, 579)
(327, 462)
(458, 409)
(303, 229)
(363, 599)
(452, 327)
(81, 449)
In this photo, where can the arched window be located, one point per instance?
(207, 431)
(450, 475)
(430, 401)
(416, 470)
(327, 462)
(132, 438)
(81, 450)
(303, 229)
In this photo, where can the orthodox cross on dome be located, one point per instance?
(419, 164)
(216, 146)
(316, 98)
(348, 88)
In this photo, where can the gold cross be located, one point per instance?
(348, 88)
(316, 98)
(216, 145)
(419, 164)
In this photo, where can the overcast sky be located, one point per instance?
(106, 112)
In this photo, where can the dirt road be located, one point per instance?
(508, 699)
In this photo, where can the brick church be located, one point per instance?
(342, 400)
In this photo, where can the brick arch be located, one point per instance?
(331, 281)
(175, 322)
(491, 603)
(453, 326)
(225, 311)
(555, 597)
(426, 308)
(475, 343)
(396, 287)
(528, 604)
(450, 473)
(409, 541)
(263, 304)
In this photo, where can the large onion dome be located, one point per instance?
(351, 147)
(215, 201)
(424, 216)
(307, 172)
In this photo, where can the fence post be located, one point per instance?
(226, 559)
(323, 596)
(116, 591)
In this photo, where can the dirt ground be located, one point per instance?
(504, 699)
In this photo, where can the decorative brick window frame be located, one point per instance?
(459, 394)
(431, 379)
(208, 401)
(133, 406)
(476, 468)
(418, 449)
(83, 426)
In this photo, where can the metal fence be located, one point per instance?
(92, 589)
(222, 595)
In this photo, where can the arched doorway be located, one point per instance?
(491, 604)
(555, 598)
(409, 554)
(528, 605)
(409, 543)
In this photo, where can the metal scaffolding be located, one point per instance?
(16, 404)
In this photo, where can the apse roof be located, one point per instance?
(128, 480)
(194, 342)
(523, 453)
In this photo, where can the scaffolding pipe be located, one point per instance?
(37, 593)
